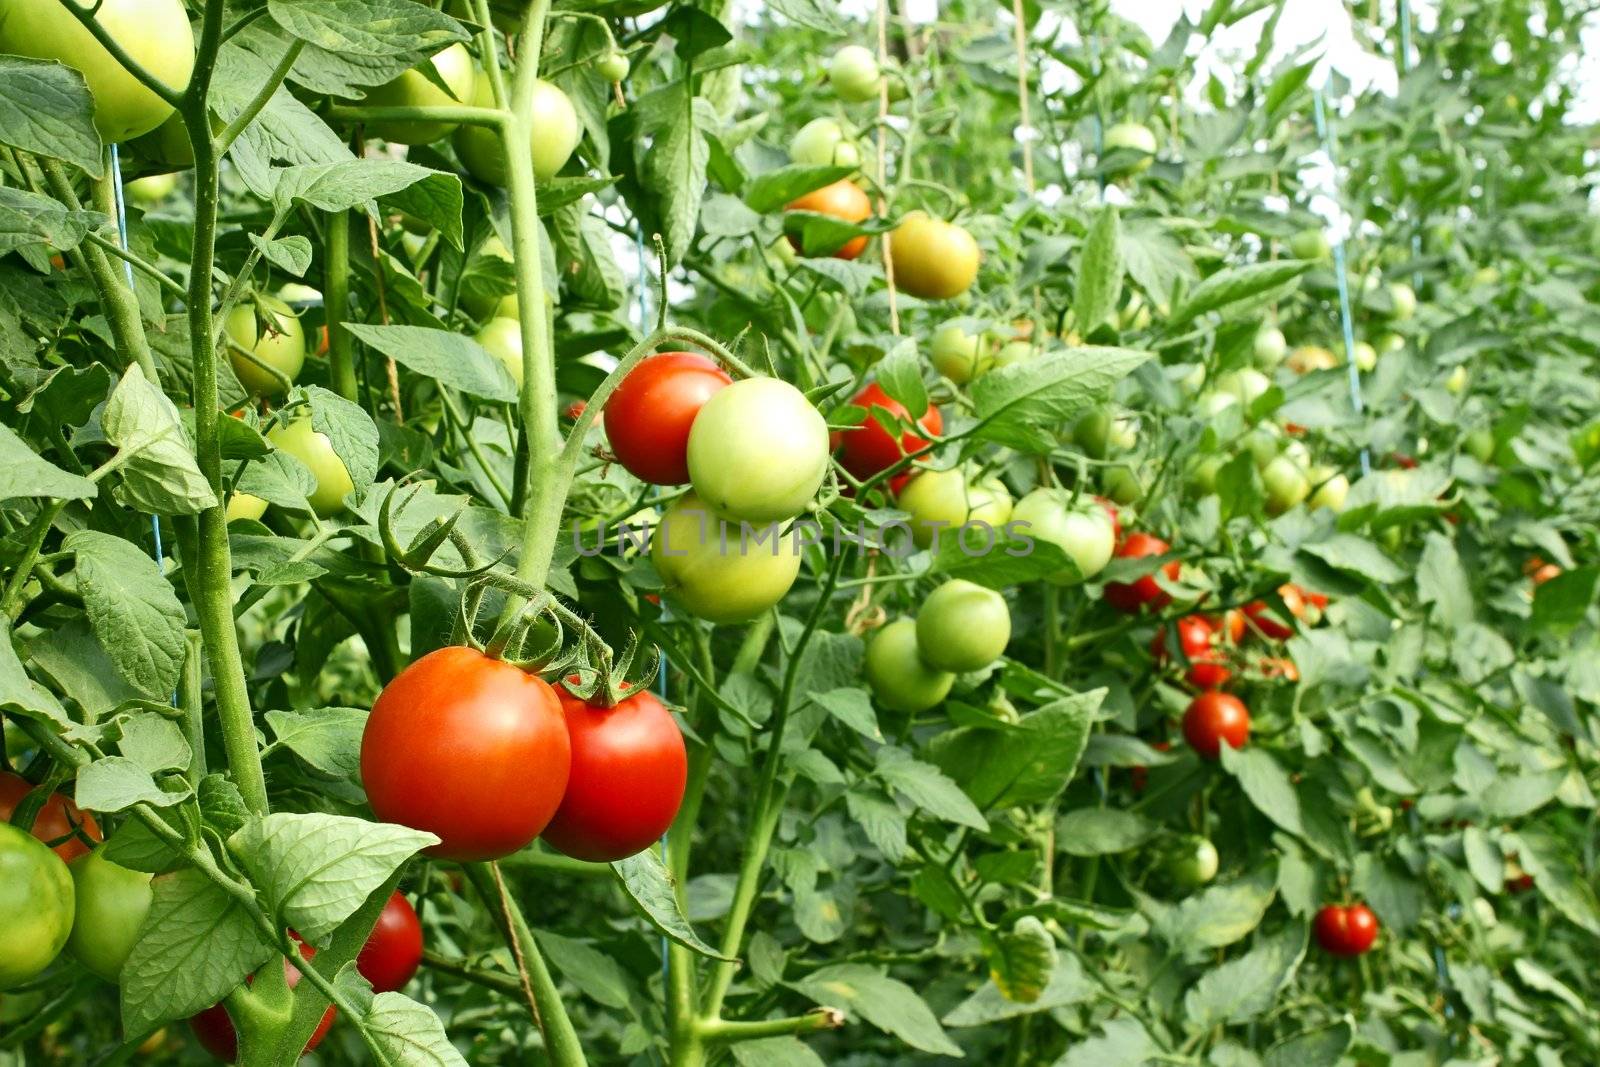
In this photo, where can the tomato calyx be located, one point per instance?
(602, 679)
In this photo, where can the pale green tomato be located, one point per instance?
(1122, 484)
(313, 448)
(715, 570)
(507, 307)
(941, 500)
(1135, 313)
(1480, 445)
(154, 33)
(1457, 382)
(1486, 276)
(854, 74)
(1270, 347)
(36, 904)
(758, 450)
(1189, 861)
(1135, 136)
(963, 627)
(899, 678)
(1404, 299)
(297, 293)
(1366, 357)
(111, 902)
(822, 143)
(1285, 483)
(1371, 283)
(1247, 384)
(1099, 433)
(1084, 532)
(1192, 382)
(1331, 491)
(455, 67)
(613, 66)
(150, 191)
(1310, 244)
(1390, 342)
(502, 339)
(556, 132)
(1211, 404)
(1264, 443)
(959, 355)
(245, 506)
(1203, 477)
(269, 330)
(1013, 352)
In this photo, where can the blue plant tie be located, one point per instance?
(1339, 268)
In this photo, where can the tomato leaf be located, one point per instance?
(1100, 268)
(133, 610)
(1022, 960)
(1245, 988)
(889, 1004)
(649, 885)
(1102, 831)
(46, 109)
(927, 787)
(1324, 1047)
(1022, 405)
(409, 1033)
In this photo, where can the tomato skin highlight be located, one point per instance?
(36, 906)
(1131, 597)
(844, 200)
(649, 416)
(1213, 718)
(56, 821)
(468, 748)
(393, 951)
(868, 448)
(629, 768)
(1346, 930)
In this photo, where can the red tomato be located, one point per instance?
(628, 772)
(843, 200)
(56, 822)
(1139, 774)
(576, 409)
(1346, 930)
(1213, 718)
(1300, 604)
(869, 448)
(649, 416)
(214, 1028)
(1544, 573)
(393, 951)
(1116, 519)
(468, 748)
(1129, 597)
(1197, 637)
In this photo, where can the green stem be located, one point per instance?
(336, 306)
(191, 700)
(166, 281)
(12, 603)
(242, 121)
(498, 981)
(723, 1031)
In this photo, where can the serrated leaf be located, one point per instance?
(24, 473)
(928, 788)
(132, 609)
(410, 1033)
(1026, 763)
(888, 1004)
(1219, 915)
(1023, 961)
(1024, 405)
(1324, 1047)
(46, 109)
(115, 783)
(1244, 988)
(1099, 287)
(1233, 284)
(1102, 831)
(157, 462)
(648, 884)
(351, 432)
(328, 739)
(852, 707)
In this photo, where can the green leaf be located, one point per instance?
(1266, 784)
(1357, 556)
(31, 219)
(890, 1005)
(649, 885)
(927, 787)
(1233, 284)
(900, 374)
(784, 1051)
(132, 609)
(695, 32)
(1120, 1043)
(1558, 878)
(1560, 604)
(1022, 961)
(777, 188)
(882, 822)
(1029, 762)
(328, 739)
(351, 432)
(368, 27)
(346, 185)
(1024, 405)
(115, 783)
(1442, 582)
(1099, 286)
(853, 707)
(46, 110)
(1287, 84)
(23, 473)
(1247, 987)
(1102, 831)
(454, 360)
(407, 1032)
(1324, 1047)
(290, 254)
(154, 742)
(1067, 985)
(1219, 915)
(159, 472)
(676, 151)
(599, 976)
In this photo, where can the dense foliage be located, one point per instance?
(1153, 619)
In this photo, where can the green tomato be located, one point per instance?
(900, 679)
(1332, 490)
(36, 903)
(111, 903)
(245, 506)
(556, 133)
(154, 33)
(315, 450)
(823, 143)
(1390, 342)
(1310, 243)
(1013, 352)
(613, 66)
(1135, 314)
(1083, 533)
(758, 450)
(1189, 862)
(1210, 404)
(1457, 382)
(149, 191)
(1480, 445)
(1270, 347)
(1099, 433)
(1404, 300)
(1122, 484)
(854, 74)
(1135, 136)
(168, 144)
(1247, 385)
(502, 339)
(504, 307)
(713, 571)
(1285, 483)
(939, 500)
(268, 329)
(1203, 476)
(454, 67)
(963, 627)
(959, 355)
(1485, 276)
(1366, 357)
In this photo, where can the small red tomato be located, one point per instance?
(868, 448)
(1130, 597)
(648, 417)
(57, 822)
(844, 200)
(1267, 623)
(1346, 930)
(1232, 626)
(628, 773)
(213, 1027)
(1403, 461)
(393, 951)
(1213, 718)
(1197, 637)
(468, 748)
(576, 409)
(1116, 518)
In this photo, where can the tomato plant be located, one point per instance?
(58, 822)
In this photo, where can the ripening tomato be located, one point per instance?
(1231, 626)
(714, 571)
(962, 626)
(112, 902)
(1266, 622)
(758, 451)
(393, 951)
(869, 448)
(454, 67)
(556, 133)
(36, 904)
(213, 1027)
(933, 259)
(1130, 597)
(1346, 930)
(1278, 667)
(468, 748)
(57, 823)
(649, 416)
(629, 768)
(842, 200)
(1212, 718)
(900, 678)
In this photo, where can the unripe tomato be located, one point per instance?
(1331, 491)
(1310, 244)
(213, 1027)
(313, 448)
(1390, 342)
(1203, 475)
(613, 66)
(900, 679)
(1457, 382)
(1403, 299)
(111, 903)
(629, 768)
(962, 627)
(468, 748)
(758, 450)
(868, 448)
(1348, 930)
(1136, 137)
(245, 506)
(1308, 358)
(270, 329)
(154, 33)
(939, 500)
(36, 903)
(1285, 483)
(1130, 597)
(649, 416)
(393, 951)
(556, 133)
(959, 355)
(502, 339)
(150, 191)
(1013, 352)
(1122, 484)
(1270, 347)
(933, 259)
(854, 74)
(716, 573)
(823, 143)
(455, 67)
(1212, 718)
(1189, 861)
(505, 306)
(1365, 357)
(57, 822)
(842, 200)
(1246, 385)
(1085, 534)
